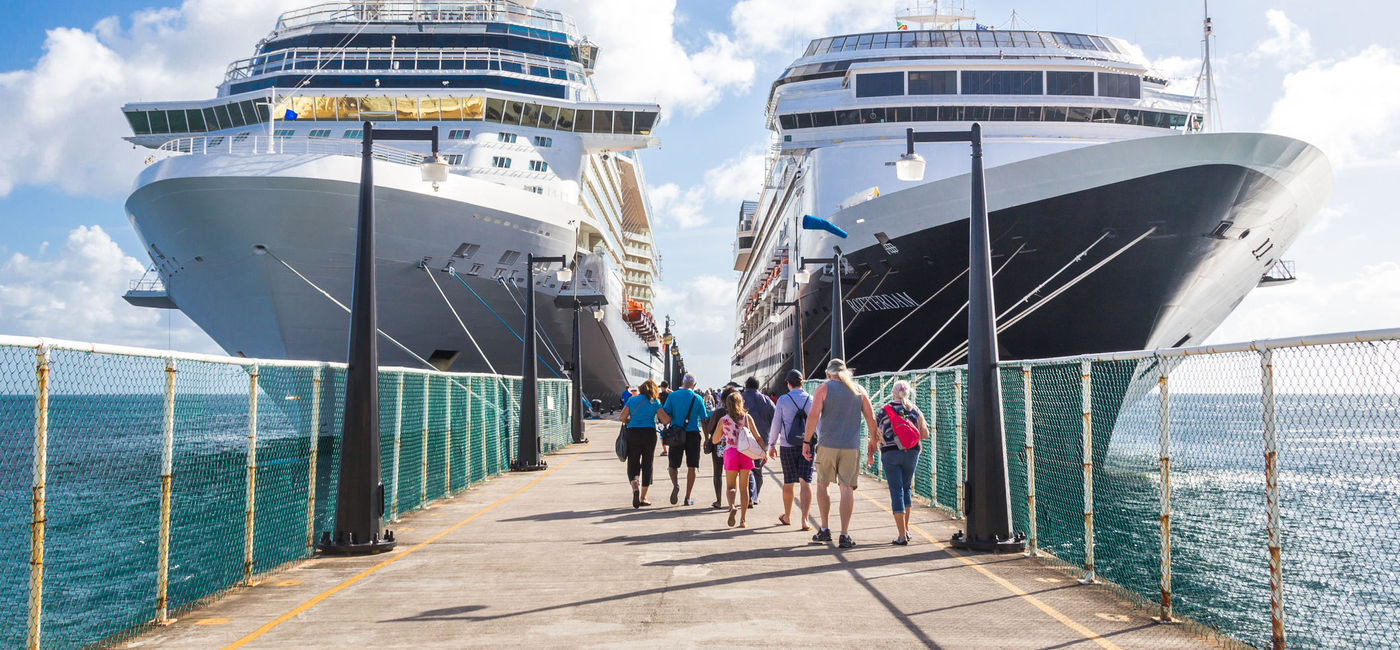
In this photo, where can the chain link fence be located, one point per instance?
(152, 482)
(1248, 490)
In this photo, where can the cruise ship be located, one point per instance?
(247, 205)
(1119, 220)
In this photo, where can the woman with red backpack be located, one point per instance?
(901, 427)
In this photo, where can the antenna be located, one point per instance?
(935, 17)
(1205, 82)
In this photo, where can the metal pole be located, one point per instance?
(838, 318)
(528, 450)
(311, 461)
(398, 447)
(248, 511)
(576, 412)
(1272, 498)
(933, 436)
(423, 474)
(959, 478)
(989, 511)
(1163, 425)
(447, 414)
(467, 430)
(167, 462)
(799, 360)
(1031, 549)
(360, 497)
(1087, 453)
(37, 520)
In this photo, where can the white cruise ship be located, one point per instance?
(1117, 221)
(247, 207)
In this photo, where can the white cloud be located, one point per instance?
(706, 335)
(723, 187)
(685, 208)
(1288, 46)
(736, 179)
(641, 60)
(1368, 300)
(769, 25)
(1348, 108)
(65, 127)
(76, 294)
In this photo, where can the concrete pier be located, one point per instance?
(560, 558)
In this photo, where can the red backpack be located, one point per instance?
(906, 435)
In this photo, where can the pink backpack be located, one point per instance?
(906, 435)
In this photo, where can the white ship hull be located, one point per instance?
(202, 217)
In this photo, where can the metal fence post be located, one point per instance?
(423, 475)
(252, 474)
(933, 436)
(398, 441)
(958, 444)
(1086, 406)
(36, 524)
(1031, 549)
(1272, 498)
(1164, 425)
(467, 430)
(311, 461)
(447, 413)
(167, 463)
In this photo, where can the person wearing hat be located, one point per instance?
(837, 408)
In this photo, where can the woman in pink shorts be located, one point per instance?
(737, 466)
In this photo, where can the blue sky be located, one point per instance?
(1327, 73)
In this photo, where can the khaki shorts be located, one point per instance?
(839, 466)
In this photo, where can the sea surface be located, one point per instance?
(1338, 457)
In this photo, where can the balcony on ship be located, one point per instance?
(744, 237)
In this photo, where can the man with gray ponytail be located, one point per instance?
(837, 408)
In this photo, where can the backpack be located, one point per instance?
(797, 426)
(906, 435)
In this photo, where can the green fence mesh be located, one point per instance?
(106, 444)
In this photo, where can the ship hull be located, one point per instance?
(203, 219)
(1152, 252)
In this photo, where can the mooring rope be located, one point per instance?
(466, 331)
(503, 322)
(542, 335)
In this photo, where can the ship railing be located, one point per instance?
(255, 145)
(120, 461)
(428, 11)
(1212, 485)
(402, 61)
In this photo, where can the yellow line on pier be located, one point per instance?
(315, 600)
(1038, 603)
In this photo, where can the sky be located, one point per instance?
(1328, 73)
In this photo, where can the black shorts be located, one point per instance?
(795, 467)
(691, 450)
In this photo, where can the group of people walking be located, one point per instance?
(741, 429)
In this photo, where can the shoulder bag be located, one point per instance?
(906, 435)
(746, 442)
(621, 445)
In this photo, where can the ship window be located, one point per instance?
(539, 166)
(530, 115)
(645, 121)
(1055, 114)
(622, 122)
(283, 133)
(1080, 114)
(158, 122)
(406, 108)
(1105, 115)
(459, 134)
(872, 115)
(1129, 116)
(1003, 39)
(977, 113)
(804, 120)
(823, 118)
(940, 82)
(950, 113)
(1003, 113)
(1120, 85)
(195, 119)
(534, 189)
(1001, 82)
(925, 113)
(602, 121)
(882, 84)
(253, 113)
(583, 121)
(1028, 113)
(494, 109)
(788, 121)
(453, 158)
(225, 121)
(466, 250)
(544, 141)
(848, 117)
(139, 124)
(235, 116)
(547, 115)
(354, 134)
(508, 138)
(1069, 83)
(566, 119)
(211, 121)
(500, 162)
(512, 112)
(320, 133)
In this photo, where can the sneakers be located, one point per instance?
(823, 535)
(901, 541)
(846, 541)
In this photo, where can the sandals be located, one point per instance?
(636, 499)
(733, 514)
(784, 520)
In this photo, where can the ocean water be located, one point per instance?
(1338, 479)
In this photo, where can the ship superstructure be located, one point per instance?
(247, 205)
(1117, 223)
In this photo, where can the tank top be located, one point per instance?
(839, 426)
(731, 431)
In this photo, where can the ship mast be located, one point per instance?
(1205, 82)
(933, 17)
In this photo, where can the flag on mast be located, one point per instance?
(901, 26)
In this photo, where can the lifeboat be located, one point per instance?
(641, 321)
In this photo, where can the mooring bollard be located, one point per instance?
(1086, 369)
(249, 512)
(167, 463)
(1164, 425)
(1271, 497)
(1031, 549)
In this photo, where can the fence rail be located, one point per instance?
(152, 481)
(1213, 485)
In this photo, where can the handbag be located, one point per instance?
(906, 436)
(745, 442)
(621, 445)
(674, 435)
(797, 427)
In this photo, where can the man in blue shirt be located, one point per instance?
(686, 409)
(796, 469)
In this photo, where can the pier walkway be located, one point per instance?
(560, 558)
